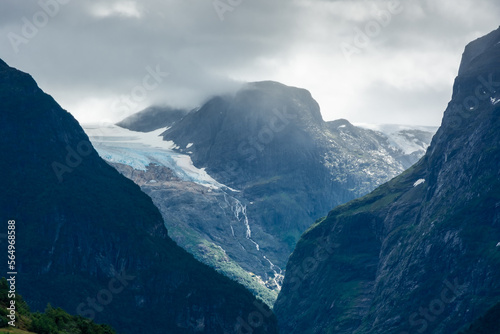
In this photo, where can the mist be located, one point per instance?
(366, 61)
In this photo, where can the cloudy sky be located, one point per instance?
(367, 61)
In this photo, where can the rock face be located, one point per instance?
(420, 254)
(288, 167)
(89, 241)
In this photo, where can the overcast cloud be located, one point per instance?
(103, 60)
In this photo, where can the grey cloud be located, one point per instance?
(78, 55)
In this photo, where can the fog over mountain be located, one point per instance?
(362, 60)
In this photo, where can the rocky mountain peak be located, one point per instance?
(283, 97)
(473, 110)
(476, 53)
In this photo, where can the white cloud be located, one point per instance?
(117, 8)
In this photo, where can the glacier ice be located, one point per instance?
(138, 150)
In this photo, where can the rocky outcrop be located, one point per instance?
(420, 254)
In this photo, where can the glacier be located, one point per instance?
(138, 150)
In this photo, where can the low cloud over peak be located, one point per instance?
(91, 54)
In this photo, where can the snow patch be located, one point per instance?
(498, 245)
(418, 182)
(494, 100)
(189, 145)
(406, 141)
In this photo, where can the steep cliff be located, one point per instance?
(421, 253)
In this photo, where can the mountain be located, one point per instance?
(269, 142)
(153, 118)
(89, 241)
(239, 179)
(421, 253)
(268, 129)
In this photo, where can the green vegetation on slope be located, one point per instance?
(52, 321)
